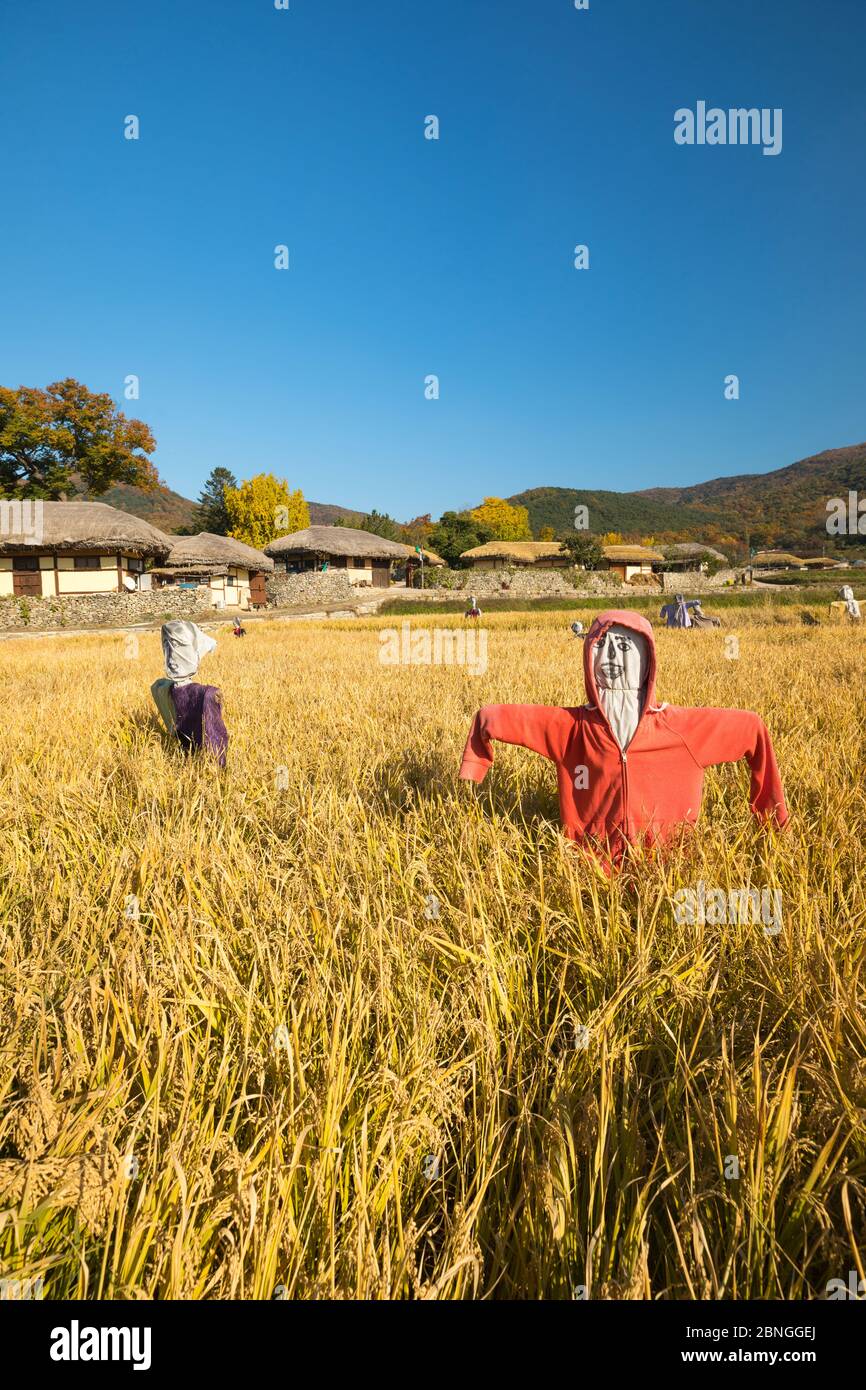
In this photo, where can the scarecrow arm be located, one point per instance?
(543, 729)
(724, 736)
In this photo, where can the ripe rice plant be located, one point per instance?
(331, 1023)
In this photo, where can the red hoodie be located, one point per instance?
(647, 792)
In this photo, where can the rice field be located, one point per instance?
(332, 1024)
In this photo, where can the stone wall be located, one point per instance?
(693, 581)
(514, 583)
(101, 610)
(556, 583)
(334, 586)
(520, 583)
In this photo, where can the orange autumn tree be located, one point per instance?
(56, 440)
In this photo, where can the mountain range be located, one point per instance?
(785, 507)
(169, 511)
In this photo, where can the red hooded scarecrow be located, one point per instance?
(629, 770)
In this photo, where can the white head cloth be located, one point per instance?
(183, 646)
(620, 664)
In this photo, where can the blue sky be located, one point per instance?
(455, 257)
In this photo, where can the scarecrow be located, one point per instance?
(700, 618)
(629, 770)
(677, 614)
(851, 604)
(190, 711)
(473, 611)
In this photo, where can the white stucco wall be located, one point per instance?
(69, 579)
(235, 595)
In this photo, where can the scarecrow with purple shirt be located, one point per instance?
(191, 711)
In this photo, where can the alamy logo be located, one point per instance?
(28, 1287)
(738, 126)
(855, 1287)
(441, 646)
(697, 906)
(21, 521)
(846, 519)
(76, 1343)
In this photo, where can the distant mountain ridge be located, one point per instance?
(785, 507)
(169, 511)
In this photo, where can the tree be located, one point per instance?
(263, 508)
(547, 533)
(380, 524)
(53, 440)
(504, 521)
(455, 532)
(417, 531)
(212, 514)
(584, 548)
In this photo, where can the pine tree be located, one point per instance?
(211, 513)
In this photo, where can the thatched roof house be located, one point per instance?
(233, 572)
(413, 565)
(501, 554)
(822, 562)
(630, 559)
(776, 559)
(54, 548)
(208, 552)
(691, 555)
(366, 558)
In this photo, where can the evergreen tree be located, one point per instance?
(212, 514)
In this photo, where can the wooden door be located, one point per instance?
(26, 577)
(381, 574)
(258, 592)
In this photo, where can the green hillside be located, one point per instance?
(162, 508)
(169, 511)
(786, 507)
(790, 502)
(626, 512)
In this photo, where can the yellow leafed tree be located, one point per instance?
(263, 508)
(508, 523)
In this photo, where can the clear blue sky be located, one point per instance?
(411, 257)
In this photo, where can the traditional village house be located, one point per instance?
(776, 560)
(74, 548)
(631, 561)
(497, 555)
(691, 555)
(432, 561)
(627, 560)
(822, 562)
(233, 573)
(365, 558)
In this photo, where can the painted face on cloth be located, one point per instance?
(620, 662)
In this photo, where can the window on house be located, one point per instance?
(359, 563)
(231, 580)
(25, 562)
(135, 566)
(87, 562)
